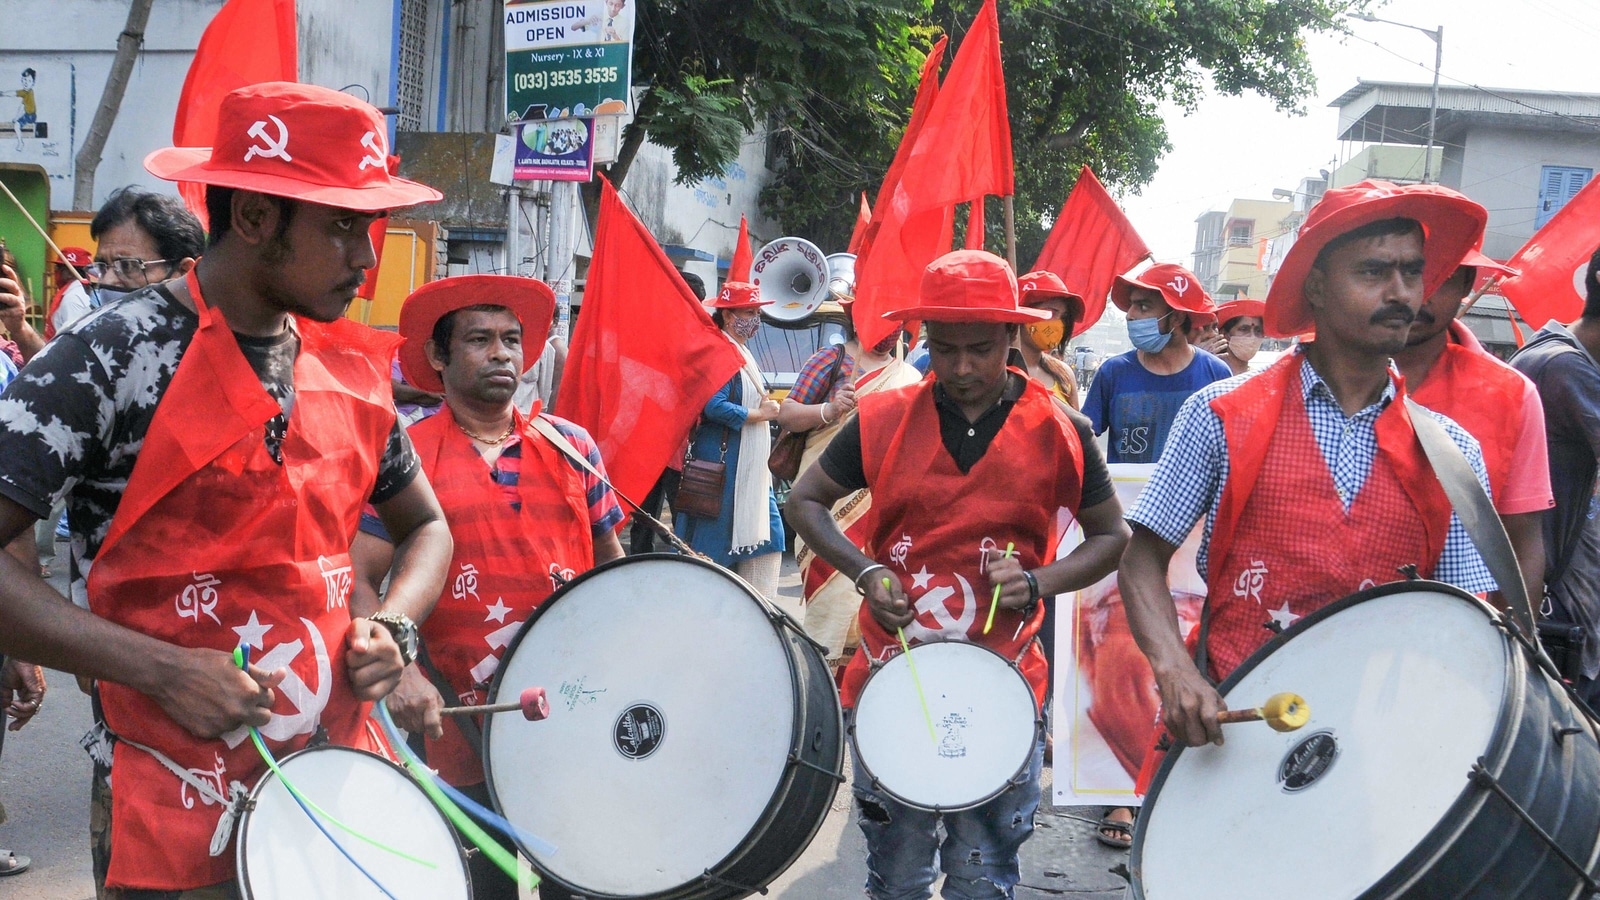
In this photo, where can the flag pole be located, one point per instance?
(1473, 298)
(1011, 233)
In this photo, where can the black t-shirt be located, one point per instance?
(967, 442)
(73, 421)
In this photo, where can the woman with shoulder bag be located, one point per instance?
(737, 526)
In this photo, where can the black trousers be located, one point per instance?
(642, 537)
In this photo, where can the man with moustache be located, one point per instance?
(1309, 474)
(216, 438)
(526, 517)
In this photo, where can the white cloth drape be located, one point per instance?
(752, 522)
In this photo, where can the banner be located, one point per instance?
(568, 58)
(1105, 701)
(559, 150)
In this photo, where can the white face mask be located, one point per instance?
(1244, 346)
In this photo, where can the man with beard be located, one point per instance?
(525, 516)
(1309, 474)
(1449, 372)
(216, 438)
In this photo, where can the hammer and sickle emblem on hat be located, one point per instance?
(1179, 284)
(274, 148)
(376, 158)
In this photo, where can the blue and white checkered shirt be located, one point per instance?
(1188, 480)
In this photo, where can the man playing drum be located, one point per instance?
(1309, 474)
(216, 438)
(525, 517)
(1007, 458)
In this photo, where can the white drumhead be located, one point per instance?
(672, 716)
(1405, 691)
(282, 855)
(983, 714)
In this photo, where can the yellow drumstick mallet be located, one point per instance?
(1281, 712)
(995, 603)
(905, 647)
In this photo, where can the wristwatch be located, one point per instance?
(404, 631)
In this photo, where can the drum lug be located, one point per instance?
(1409, 571)
(1481, 777)
(795, 760)
(782, 618)
(1562, 733)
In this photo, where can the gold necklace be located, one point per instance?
(493, 442)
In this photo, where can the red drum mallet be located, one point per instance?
(531, 703)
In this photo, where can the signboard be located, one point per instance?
(568, 58)
(559, 150)
(1105, 699)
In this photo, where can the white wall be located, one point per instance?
(71, 44)
(1500, 169)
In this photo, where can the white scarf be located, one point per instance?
(752, 522)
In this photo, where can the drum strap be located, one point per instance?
(233, 805)
(1476, 511)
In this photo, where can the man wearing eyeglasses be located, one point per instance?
(144, 238)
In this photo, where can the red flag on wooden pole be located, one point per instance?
(1554, 262)
(645, 356)
(1091, 243)
(863, 219)
(247, 42)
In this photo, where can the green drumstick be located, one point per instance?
(905, 647)
(995, 603)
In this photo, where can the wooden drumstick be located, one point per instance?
(1281, 712)
(532, 704)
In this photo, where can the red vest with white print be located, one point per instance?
(1481, 394)
(506, 562)
(215, 545)
(1282, 545)
(938, 528)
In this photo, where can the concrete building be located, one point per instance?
(1385, 162)
(1231, 247)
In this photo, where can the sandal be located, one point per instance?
(12, 864)
(1120, 835)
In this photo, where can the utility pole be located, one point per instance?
(1437, 36)
(88, 158)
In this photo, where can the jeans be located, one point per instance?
(642, 537)
(978, 855)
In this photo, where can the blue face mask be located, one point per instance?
(1146, 334)
(101, 294)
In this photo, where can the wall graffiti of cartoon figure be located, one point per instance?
(26, 117)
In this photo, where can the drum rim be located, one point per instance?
(1038, 730)
(1496, 749)
(768, 815)
(241, 865)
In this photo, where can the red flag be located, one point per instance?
(247, 42)
(1091, 243)
(863, 219)
(975, 225)
(645, 356)
(880, 267)
(739, 266)
(1554, 262)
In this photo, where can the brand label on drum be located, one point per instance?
(1308, 761)
(639, 731)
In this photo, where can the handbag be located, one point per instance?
(790, 447)
(700, 491)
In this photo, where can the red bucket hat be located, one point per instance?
(298, 141)
(1233, 309)
(77, 256)
(530, 300)
(1036, 286)
(738, 295)
(968, 286)
(1476, 258)
(1451, 225)
(1177, 286)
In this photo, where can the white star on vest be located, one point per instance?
(1282, 617)
(920, 579)
(497, 612)
(253, 633)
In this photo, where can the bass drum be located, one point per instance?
(1432, 735)
(694, 743)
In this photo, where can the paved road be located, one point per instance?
(44, 782)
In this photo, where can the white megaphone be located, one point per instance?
(793, 274)
(842, 275)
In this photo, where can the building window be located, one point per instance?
(412, 63)
(1239, 233)
(1557, 185)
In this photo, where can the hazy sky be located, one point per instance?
(1241, 147)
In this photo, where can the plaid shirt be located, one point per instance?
(1187, 482)
(814, 374)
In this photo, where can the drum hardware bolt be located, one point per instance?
(1274, 626)
(795, 760)
(1164, 743)
(1409, 570)
(1561, 734)
(748, 889)
(1481, 777)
